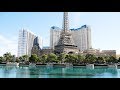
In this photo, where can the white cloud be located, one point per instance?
(8, 45)
(74, 19)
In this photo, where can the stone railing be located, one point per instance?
(12, 63)
(90, 66)
(112, 66)
(49, 64)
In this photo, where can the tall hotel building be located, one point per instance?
(81, 37)
(54, 36)
(25, 42)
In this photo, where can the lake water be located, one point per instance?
(58, 72)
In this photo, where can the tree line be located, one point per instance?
(61, 58)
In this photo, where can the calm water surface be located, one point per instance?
(58, 72)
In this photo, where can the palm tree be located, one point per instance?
(13, 58)
(1, 59)
(21, 59)
(52, 58)
(17, 59)
(80, 58)
(119, 59)
(61, 57)
(44, 58)
(107, 58)
(33, 58)
(25, 57)
(90, 58)
(73, 58)
(112, 59)
(100, 60)
(7, 56)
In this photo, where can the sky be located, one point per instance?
(105, 27)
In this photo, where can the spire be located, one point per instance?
(66, 36)
(65, 43)
(65, 22)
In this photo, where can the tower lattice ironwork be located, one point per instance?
(66, 43)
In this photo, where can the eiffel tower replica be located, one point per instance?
(66, 43)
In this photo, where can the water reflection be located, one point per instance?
(22, 72)
(7, 71)
(57, 72)
(34, 72)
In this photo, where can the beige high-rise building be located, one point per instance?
(54, 36)
(81, 37)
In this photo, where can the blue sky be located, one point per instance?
(105, 27)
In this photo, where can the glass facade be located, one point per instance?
(25, 42)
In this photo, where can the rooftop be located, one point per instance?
(84, 26)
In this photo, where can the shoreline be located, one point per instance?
(59, 65)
